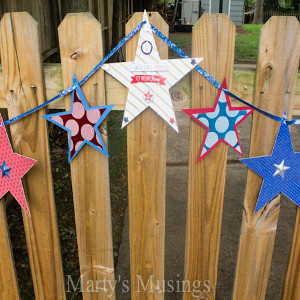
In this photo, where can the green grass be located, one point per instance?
(246, 44)
(183, 40)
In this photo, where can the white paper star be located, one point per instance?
(149, 78)
(280, 169)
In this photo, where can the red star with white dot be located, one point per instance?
(148, 97)
(172, 121)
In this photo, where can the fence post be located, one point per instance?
(275, 87)
(24, 89)
(80, 40)
(8, 278)
(146, 152)
(213, 39)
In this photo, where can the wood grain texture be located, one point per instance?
(80, 39)
(291, 287)
(275, 87)
(116, 93)
(8, 278)
(146, 152)
(24, 89)
(213, 39)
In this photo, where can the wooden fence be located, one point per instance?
(24, 88)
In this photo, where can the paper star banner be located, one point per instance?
(221, 123)
(149, 78)
(280, 170)
(82, 123)
(12, 168)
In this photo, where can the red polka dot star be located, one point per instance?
(81, 122)
(12, 168)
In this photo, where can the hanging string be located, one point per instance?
(172, 46)
(215, 82)
(73, 87)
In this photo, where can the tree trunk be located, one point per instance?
(258, 12)
(115, 25)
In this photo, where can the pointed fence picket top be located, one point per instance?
(146, 153)
(274, 92)
(24, 89)
(80, 40)
(213, 39)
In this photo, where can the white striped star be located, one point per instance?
(148, 74)
(280, 169)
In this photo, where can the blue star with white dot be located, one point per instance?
(5, 169)
(280, 170)
(126, 120)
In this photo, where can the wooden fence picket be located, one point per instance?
(146, 153)
(24, 89)
(8, 278)
(275, 87)
(80, 40)
(213, 39)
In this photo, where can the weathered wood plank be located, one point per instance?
(275, 87)
(23, 86)
(8, 278)
(116, 93)
(291, 287)
(80, 39)
(213, 39)
(146, 153)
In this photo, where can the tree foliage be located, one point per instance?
(282, 5)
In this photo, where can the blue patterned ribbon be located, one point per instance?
(215, 82)
(73, 87)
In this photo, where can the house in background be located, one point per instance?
(192, 9)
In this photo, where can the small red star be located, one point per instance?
(172, 121)
(148, 96)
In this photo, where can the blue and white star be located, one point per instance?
(221, 122)
(283, 162)
(280, 169)
(5, 169)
